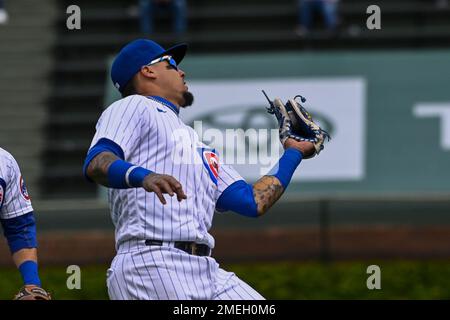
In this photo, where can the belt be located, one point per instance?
(197, 249)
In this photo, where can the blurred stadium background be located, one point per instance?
(379, 193)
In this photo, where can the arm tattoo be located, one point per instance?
(98, 168)
(267, 191)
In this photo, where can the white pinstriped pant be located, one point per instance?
(165, 273)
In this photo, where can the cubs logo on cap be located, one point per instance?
(211, 162)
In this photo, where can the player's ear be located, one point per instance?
(148, 72)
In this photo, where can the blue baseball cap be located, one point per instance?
(137, 54)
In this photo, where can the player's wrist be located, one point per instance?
(123, 175)
(29, 273)
(285, 168)
(137, 176)
(304, 147)
(294, 153)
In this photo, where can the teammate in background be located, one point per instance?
(19, 227)
(3, 13)
(162, 208)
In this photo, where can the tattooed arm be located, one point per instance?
(98, 167)
(269, 189)
(266, 192)
(255, 200)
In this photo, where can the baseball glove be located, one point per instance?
(31, 292)
(296, 123)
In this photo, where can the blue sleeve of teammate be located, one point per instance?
(20, 232)
(238, 197)
(102, 145)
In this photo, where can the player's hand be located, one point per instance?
(305, 147)
(163, 183)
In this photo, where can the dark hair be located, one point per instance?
(129, 89)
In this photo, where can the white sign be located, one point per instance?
(440, 110)
(338, 104)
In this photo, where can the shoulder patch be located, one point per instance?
(211, 162)
(23, 190)
(2, 192)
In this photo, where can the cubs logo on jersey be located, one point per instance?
(23, 190)
(14, 198)
(2, 191)
(211, 162)
(151, 145)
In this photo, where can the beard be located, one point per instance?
(188, 98)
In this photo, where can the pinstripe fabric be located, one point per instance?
(145, 129)
(15, 202)
(165, 273)
(230, 287)
(137, 124)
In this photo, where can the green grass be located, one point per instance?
(312, 280)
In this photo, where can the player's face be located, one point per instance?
(185, 97)
(171, 79)
(178, 77)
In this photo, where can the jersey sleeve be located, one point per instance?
(122, 123)
(14, 198)
(227, 176)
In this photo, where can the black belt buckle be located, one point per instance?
(186, 246)
(193, 248)
(153, 243)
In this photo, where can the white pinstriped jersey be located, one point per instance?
(14, 198)
(144, 128)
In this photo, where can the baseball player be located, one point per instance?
(19, 227)
(162, 208)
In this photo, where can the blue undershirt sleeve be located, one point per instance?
(238, 197)
(20, 232)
